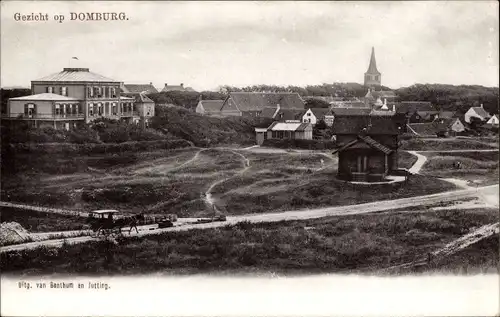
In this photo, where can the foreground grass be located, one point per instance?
(35, 221)
(333, 244)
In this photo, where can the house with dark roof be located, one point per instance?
(254, 103)
(477, 112)
(82, 96)
(284, 131)
(180, 87)
(139, 88)
(368, 147)
(209, 107)
(439, 127)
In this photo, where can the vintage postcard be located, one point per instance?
(249, 158)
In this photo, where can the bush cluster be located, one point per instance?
(302, 144)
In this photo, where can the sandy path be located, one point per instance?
(421, 159)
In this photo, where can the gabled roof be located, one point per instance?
(321, 112)
(45, 97)
(138, 97)
(375, 125)
(267, 112)
(289, 114)
(288, 126)
(351, 111)
(446, 114)
(480, 111)
(348, 104)
(138, 88)
(412, 106)
(380, 94)
(76, 75)
(212, 105)
(257, 101)
(367, 140)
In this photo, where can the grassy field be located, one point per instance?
(435, 144)
(335, 244)
(35, 221)
(481, 167)
(176, 182)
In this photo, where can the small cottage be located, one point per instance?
(477, 112)
(284, 130)
(368, 147)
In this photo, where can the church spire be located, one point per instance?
(372, 76)
(372, 69)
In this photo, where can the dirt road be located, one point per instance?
(357, 209)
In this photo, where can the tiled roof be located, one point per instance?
(412, 106)
(367, 140)
(321, 112)
(138, 97)
(76, 75)
(348, 104)
(288, 126)
(137, 88)
(375, 125)
(374, 144)
(446, 114)
(257, 101)
(289, 114)
(212, 105)
(480, 111)
(351, 111)
(176, 88)
(46, 97)
(267, 112)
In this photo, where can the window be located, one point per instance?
(64, 91)
(99, 109)
(58, 110)
(50, 90)
(106, 108)
(29, 109)
(91, 109)
(90, 92)
(113, 108)
(113, 92)
(309, 114)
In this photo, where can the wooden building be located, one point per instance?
(368, 147)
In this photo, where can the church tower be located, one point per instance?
(372, 76)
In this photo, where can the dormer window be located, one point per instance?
(64, 91)
(50, 90)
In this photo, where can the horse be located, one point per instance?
(130, 221)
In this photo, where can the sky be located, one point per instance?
(208, 44)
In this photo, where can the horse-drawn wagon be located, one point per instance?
(108, 221)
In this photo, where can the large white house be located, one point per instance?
(477, 112)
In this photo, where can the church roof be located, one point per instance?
(372, 68)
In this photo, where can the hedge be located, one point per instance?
(301, 144)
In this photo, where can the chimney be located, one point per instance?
(385, 101)
(182, 85)
(201, 97)
(166, 84)
(151, 83)
(393, 108)
(482, 106)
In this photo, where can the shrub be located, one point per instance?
(301, 144)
